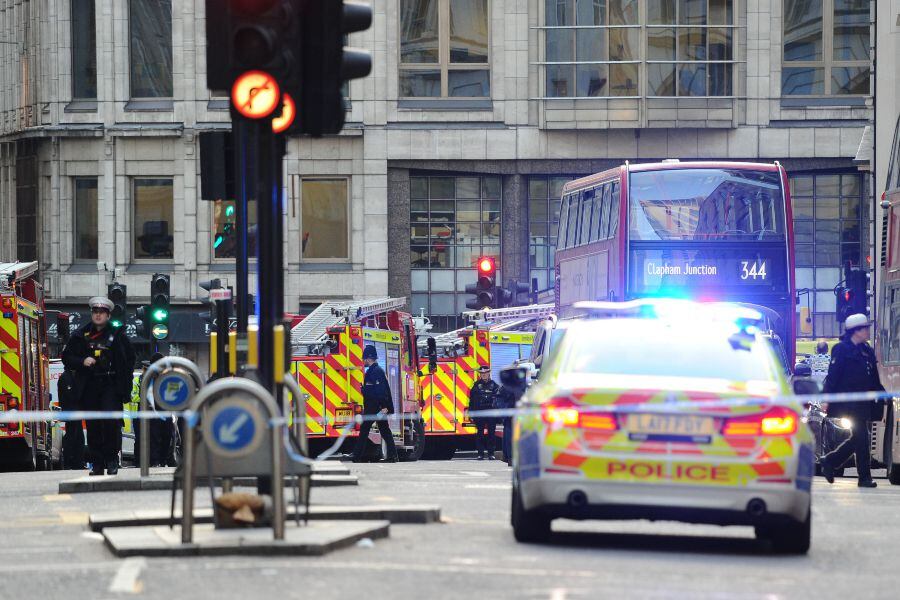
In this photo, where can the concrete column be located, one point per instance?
(514, 229)
(398, 233)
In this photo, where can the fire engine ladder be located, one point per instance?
(314, 327)
(16, 271)
(501, 319)
(502, 316)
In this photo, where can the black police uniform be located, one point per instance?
(376, 396)
(104, 386)
(853, 368)
(73, 439)
(482, 398)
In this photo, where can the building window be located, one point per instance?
(150, 27)
(593, 48)
(444, 49)
(224, 232)
(544, 195)
(827, 235)
(153, 218)
(86, 225)
(826, 48)
(325, 220)
(84, 50)
(453, 222)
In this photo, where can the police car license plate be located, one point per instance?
(343, 415)
(671, 425)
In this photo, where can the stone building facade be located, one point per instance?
(456, 145)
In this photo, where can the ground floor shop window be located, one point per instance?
(453, 222)
(827, 235)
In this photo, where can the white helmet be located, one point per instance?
(857, 320)
(101, 302)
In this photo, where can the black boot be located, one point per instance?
(866, 483)
(96, 469)
(827, 471)
(112, 467)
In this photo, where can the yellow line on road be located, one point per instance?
(57, 497)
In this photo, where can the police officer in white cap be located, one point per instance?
(853, 368)
(102, 360)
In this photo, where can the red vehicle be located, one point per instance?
(699, 230)
(886, 435)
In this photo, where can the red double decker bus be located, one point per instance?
(717, 231)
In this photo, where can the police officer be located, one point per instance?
(377, 405)
(482, 397)
(102, 360)
(853, 368)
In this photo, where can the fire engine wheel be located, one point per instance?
(418, 449)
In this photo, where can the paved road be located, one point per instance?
(46, 551)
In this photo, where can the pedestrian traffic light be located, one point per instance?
(118, 295)
(210, 315)
(853, 293)
(328, 64)
(485, 289)
(159, 306)
(142, 324)
(251, 35)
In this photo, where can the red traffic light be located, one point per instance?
(847, 295)
(255, 94)
(486, 265)
(288, 111)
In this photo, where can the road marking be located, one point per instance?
(558, 594)
(383, 499)
(474, 473)
(57, 498)
(73, 518)
(126, 579)
(489, 486)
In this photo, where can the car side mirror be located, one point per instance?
(802, 370)
(514, 378)
(805, 387)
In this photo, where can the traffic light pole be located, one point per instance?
(241, 153)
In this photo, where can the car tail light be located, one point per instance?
(775, 421)
(562, 411)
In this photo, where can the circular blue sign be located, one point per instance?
(233, 428)
(174, 392)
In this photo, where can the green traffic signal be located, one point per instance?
(115, 323)
(159, 315)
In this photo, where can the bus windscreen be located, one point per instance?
(706, 204)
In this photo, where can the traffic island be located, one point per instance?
(130, 480)
(410, 514)
(315, 539)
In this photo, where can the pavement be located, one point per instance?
(48, 550)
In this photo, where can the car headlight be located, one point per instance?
(842, 423)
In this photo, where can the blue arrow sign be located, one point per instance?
(174, 392)
(233, 428)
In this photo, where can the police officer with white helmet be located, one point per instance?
(853, 368)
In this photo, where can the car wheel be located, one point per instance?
(529, 526)
(792, 538)
(893, 469)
